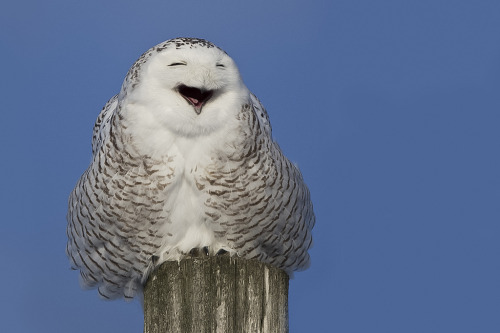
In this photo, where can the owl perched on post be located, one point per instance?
(183, 159)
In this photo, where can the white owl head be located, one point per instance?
(188, 86)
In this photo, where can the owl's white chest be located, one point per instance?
(185, 202)
(189, 153)
(186, 226)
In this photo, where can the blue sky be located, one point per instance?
(390, 108)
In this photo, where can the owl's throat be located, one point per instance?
(195, 96)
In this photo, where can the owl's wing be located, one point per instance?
(261, 113)
(259, 202)
(113, 211)
(103, 118)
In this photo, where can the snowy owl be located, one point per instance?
(183, 159)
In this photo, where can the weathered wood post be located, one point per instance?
(220, 294)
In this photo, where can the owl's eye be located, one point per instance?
(220, 65)
(178, 64)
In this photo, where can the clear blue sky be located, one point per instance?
(390, 108)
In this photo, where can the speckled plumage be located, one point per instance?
(183, 158)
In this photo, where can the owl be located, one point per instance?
(183, 159)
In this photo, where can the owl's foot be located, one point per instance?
(206, 251)
(221, 252)
(199, 252)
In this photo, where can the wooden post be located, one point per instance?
(219, 294)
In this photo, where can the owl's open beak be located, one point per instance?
(195, 96)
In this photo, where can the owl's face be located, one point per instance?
(188, 91)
